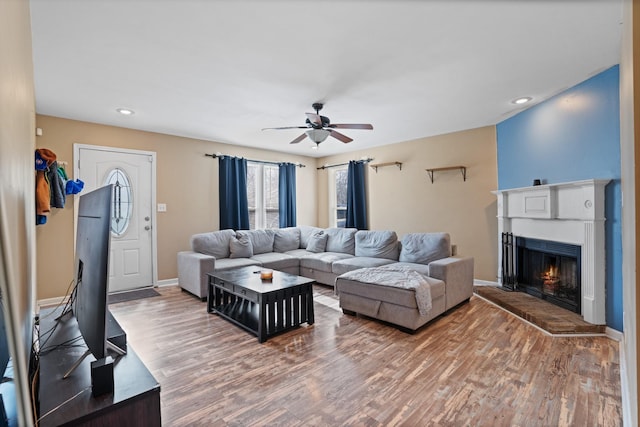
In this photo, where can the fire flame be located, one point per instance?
(553, 271)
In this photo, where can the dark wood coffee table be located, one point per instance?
(262, 307)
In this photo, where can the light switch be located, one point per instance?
(162, 207)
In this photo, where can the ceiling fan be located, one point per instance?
(320, 127)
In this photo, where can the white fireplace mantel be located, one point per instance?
(571, 212)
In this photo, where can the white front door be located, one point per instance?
(131, 260)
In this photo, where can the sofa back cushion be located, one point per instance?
(341, 240)
(262, 240)
(305, 232)
(286, 239)
(422, 248)
(215, 243)
(377, 244)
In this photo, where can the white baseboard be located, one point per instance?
(614, 334)
(478, 282)
(50, 302)
(168, 282)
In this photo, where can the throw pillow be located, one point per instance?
(240, 247)
(317, 242)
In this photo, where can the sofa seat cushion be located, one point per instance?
(377, 244)
(350, 264)
(276, 260)
(390, 294)
(322, 261)
(215, 243)
(229, 263)
(299, 253)
(420, 268)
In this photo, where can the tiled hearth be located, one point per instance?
(551, 318)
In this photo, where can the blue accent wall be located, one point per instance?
(573, 136)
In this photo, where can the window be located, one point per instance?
(338, 197)
(262, 195)
(122, 201)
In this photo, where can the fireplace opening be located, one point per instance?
(549, 270)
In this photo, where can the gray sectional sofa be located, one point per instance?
(374, 273)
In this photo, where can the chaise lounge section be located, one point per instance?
(448, 279)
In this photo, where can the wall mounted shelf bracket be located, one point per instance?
(381, 165)
(462, 169)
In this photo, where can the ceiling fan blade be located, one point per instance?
(314, 118)
(298, 139)
(341, 137)
(287, 127)
(351, 126)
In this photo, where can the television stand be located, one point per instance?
(116, 337)
(135, 399)
(115, 334)
(114, 348)
(75, 365)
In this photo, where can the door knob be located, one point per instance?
(147, 227)
(146, 218)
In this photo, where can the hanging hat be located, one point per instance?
(47, 155)
(41, 164)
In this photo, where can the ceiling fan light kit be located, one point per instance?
(317, 135)
(320, 127)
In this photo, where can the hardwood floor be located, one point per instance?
(475, 366)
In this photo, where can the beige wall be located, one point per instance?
(17, 212)
(401, 200)
(406, 200)
(187, 182)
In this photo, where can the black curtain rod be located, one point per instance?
(264, 162)
(343, 164)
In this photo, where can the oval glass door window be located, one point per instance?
(122, 201)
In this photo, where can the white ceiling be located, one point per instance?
(222, 70)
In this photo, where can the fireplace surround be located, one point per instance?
(569, 213)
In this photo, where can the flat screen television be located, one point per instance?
(93, 237)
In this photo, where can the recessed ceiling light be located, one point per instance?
(125, 111)
(522, 100)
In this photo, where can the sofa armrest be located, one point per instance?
(457, 274)
(192, 272)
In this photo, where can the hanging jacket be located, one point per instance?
(43, 196)
(44, 158)
(56, 186)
